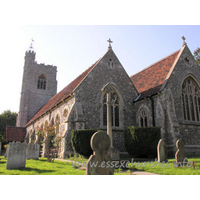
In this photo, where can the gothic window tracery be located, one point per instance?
(41, 82)
(114, 109)
(190, 100)
(143, 118)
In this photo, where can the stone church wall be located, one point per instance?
(89, 95)
(189, 131)
(65, 116)
(32, 98)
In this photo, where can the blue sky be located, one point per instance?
(75, 48)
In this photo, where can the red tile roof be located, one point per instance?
(15, 133)
(150, 80)
(62, 95)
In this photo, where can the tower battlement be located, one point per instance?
(39, 85)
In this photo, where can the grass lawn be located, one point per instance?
(169, 168)
(42, 167)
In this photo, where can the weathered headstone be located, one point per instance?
(16, 157)
(180, 154)
(33, 151)
(100, 162)
(161, 150)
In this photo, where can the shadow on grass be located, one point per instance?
(28, 169)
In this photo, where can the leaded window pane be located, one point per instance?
(104, 115)
(190, 99)
(143, 118)
(117, 116)
(192, 108)
(187, 107)
(114, 110)
(196, 107)
(41, 82)
(183, 103)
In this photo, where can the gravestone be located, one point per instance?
(16, 157)
(0, 148)
(100, 162)
(161, 150)
(33, 151)
(180, 154)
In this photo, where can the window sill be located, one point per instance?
(187, 122)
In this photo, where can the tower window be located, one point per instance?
(41, 82)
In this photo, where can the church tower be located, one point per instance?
(39, 85)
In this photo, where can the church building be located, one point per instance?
(165, 94)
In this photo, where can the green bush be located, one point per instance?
(142, 142)
(81, 141)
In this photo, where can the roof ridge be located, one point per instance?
(155, 63)
(69, 89)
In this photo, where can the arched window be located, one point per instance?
(57, 123)
(114, 109)
(65, 113)
(41, 82)
(143, 118)
(190, 99)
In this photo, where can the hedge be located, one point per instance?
(142, 142)
(81, 141)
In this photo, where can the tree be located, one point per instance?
(7, 118)
(51, 140)
(197, 55)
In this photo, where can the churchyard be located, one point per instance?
(104, 159)
(23, 159)
(42, 167)
(17, 161)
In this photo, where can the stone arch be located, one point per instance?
(51, 121)
(57, 122)
(143, 118)
(190, 97)
(117, 107)
(32, 136)
(27, 137)
(66, 112)
(143, 113)
(40, 138)
(42, 82)
(182, 77)
(46, 122)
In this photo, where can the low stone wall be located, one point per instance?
(16, 155)
(33, 151)
(192, 150)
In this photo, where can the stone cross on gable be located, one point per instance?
(110, 41)
(183, 38)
